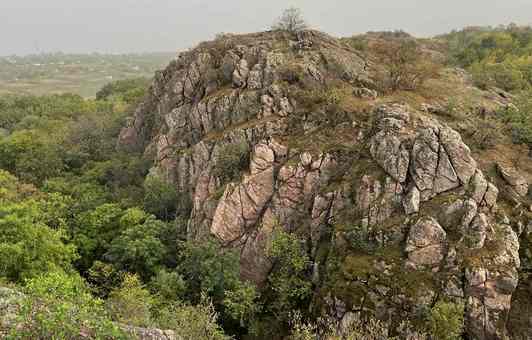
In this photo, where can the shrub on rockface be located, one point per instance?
(232, 159)
(447, 320)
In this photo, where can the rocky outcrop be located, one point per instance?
(516, 183)
(9, 306)
(407, 185)
(412, 200)
(273, 195)
(489, 289)
(387, 147)
(150, 333)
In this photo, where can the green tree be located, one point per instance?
(94, 231)
(29, 247)
(519, 118)
(103, 278)
(208, 269)
(241, 304)
(30, 157)
(138, 248)
(168, 286)
(128, 90)
(160, 197)
(289, 284)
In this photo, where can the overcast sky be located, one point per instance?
(30, 26)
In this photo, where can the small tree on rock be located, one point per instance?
(406, 66)
(291, 20)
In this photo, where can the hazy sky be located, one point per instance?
(29, 26)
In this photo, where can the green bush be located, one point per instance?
(503, 75)
(138, 248)
(207, 268)
(495, 56)
(94, 231)
(520, 118)
(59, 306)
(231, 161)
(192, 322)
(288, 283)
(32, 157)
(168, 286)
(447, 320)
(359, 238)
(130, 303)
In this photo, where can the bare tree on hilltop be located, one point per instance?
(291, 20)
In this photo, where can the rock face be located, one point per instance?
(518, 185)
(9, 304)
(409, 182)
(150, 333)
(425, 244)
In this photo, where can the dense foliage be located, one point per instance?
(496, 56)
(92, 240)
(499, 57)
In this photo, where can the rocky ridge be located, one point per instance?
(408, 183)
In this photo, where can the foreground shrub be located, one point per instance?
(358, 328)
(289, 284)
(192, 322)
(130, 303)
(59, 306)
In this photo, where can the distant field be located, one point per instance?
(83, 74)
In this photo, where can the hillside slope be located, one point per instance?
(402, 199)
